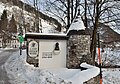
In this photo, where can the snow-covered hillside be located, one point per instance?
(23, 17)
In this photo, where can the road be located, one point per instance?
(3, 58)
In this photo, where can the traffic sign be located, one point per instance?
(21, 38)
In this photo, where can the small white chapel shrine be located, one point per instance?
(59, 50)
(47, 50)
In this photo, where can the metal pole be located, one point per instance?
(20, 48)
(99, 58)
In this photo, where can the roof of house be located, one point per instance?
(46, 36)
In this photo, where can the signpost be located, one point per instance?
(99, 58)
(21, 39)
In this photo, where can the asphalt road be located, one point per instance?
(3, 58)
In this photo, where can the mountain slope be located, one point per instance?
(30, 9)
(108, 35)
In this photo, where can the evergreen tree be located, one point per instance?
(4, 15)
(4, 20)
(12, 27)
(3, 27)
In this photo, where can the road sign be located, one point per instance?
(21, 39)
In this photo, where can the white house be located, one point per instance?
(48, 50)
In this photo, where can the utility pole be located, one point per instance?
(86, 14)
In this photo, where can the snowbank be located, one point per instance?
(22, 73)
(76, 76)
(85, 75)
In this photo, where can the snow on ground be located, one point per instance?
(111, 76)
(2, 49)
(111, 56)
(22, 73)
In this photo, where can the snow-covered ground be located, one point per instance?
(111, 76)
(20, 72)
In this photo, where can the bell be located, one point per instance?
(57, 47)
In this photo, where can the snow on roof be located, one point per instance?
(49, 34)
(77, 24)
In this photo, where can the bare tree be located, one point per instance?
(64, 10)
(103, 12)
(37, 23)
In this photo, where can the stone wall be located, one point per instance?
(95, 80)
(78, 50)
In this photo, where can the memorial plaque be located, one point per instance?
(33, 49)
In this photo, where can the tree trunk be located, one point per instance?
(86, 13)
(72, 9)
(68, 14)
(93, 43)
